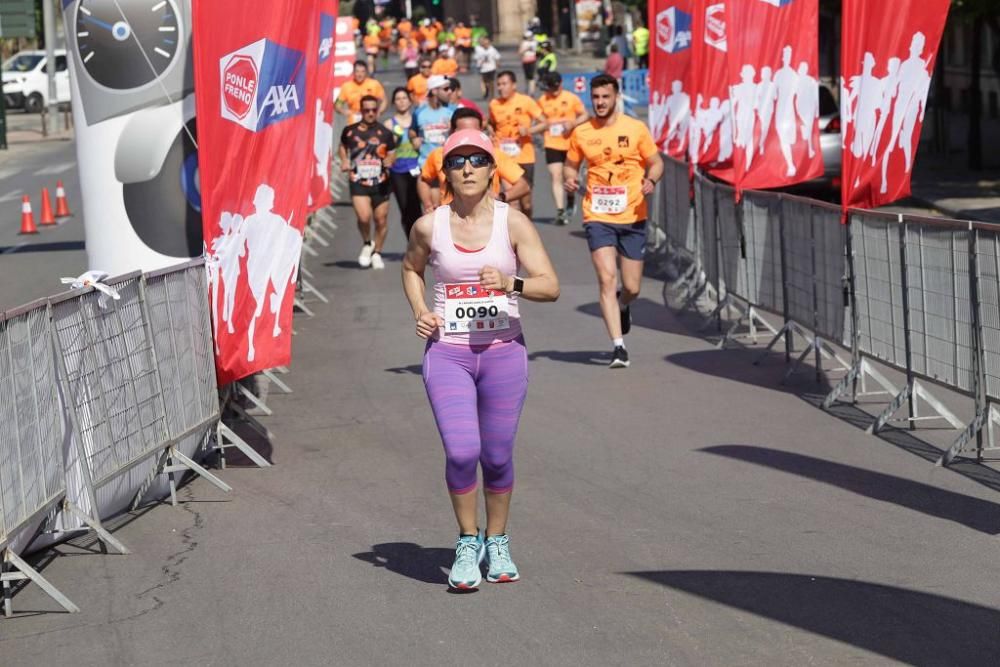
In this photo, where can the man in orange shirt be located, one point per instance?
(444, 65)
(563, 112)
(511, 116)
(349, 101)
(623, 167)
(463, 42)
(508, 173)
(371, 45)
(405, 28)
(417, 84)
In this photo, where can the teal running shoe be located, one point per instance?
(502, 568)
(469, 553)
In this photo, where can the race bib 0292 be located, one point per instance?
(608, 198)
(511, 147)
(469, 307)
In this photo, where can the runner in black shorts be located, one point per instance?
(366, 153)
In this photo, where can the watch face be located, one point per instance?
(128, 47)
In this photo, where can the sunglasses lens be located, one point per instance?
(479, 160)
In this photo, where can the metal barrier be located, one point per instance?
(106, 394)
(919, 295)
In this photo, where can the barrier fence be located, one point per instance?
(918, 295)
(103, 396)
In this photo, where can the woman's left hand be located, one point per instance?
(491, 278)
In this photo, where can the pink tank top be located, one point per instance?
(454, 267)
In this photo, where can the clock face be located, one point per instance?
(128, 47)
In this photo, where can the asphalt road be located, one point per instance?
(686, 511)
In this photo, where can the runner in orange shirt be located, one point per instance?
(349, 100)
(444, 65)
(623, 167)
(463, 42)
(371, 45)
(511, 116)
(509, 173)
(563, 112)
(405, 28)
(417, 84)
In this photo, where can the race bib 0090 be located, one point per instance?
(468, 307)
(511, 147)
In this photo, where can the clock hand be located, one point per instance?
(98, 22)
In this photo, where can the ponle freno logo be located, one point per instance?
(261, 84)
(673, 30)
(715, 26)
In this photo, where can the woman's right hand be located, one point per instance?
(428, 323)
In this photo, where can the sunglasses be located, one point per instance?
(370, 110)
(477, 160)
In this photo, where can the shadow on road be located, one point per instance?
(909, 626)
(980, 515)
(581, 357)
(414, 369)
(737, 365)
(647, 314)
(57, 246)
(426, 564)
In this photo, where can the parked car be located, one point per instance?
(829, 137)
(26, 84)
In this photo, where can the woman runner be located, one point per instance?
(405, 169)
(475, 365)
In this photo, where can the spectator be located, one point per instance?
(618, 39)
(640, 38)
(615, 64)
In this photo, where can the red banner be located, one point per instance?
(711, 130)
(887, 62)
(774, 91)
(670, 75)
(253, 83)
(319, 195)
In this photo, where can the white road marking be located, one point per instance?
(55, 169)
(13, 195)
(158, 6)
(13, 248)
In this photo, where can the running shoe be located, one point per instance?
(365, 258)
(469, 553)
(562, 218)
(619, 358)
(502, 568)
(377, 262)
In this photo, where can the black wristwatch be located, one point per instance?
(518, 287)
(502, 197)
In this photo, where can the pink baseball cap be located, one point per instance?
(469, 137)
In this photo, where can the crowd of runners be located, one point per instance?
(462, 174)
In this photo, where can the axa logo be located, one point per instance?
(715, 26)
(673, 30)
(263, 83)
(326, 44)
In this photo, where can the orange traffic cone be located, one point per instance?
(27, 217)
(62, 206)
(47, 217)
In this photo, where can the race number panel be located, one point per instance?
(468, 307)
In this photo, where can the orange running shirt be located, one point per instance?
(463, 36)
(404, 28)
(351, 93)
(507, 117)
(371, 42)
(561, 111)
(445, 67)
(417, 86)
(616, 164)
(507, 170)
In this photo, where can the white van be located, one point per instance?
(26, 84)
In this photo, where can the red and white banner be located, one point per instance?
(887, 61)
(253, 82)
(774, 92)
(344, 53)
(710, 134)
(323, 144)
(670, 75)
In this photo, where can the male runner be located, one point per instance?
(366, 152)
(508, 172)
(563, 112)
(416, 85)
(511, 116)
(624, 166)
(431, 120)
(349, 100)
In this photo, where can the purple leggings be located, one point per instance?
(476, 393)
